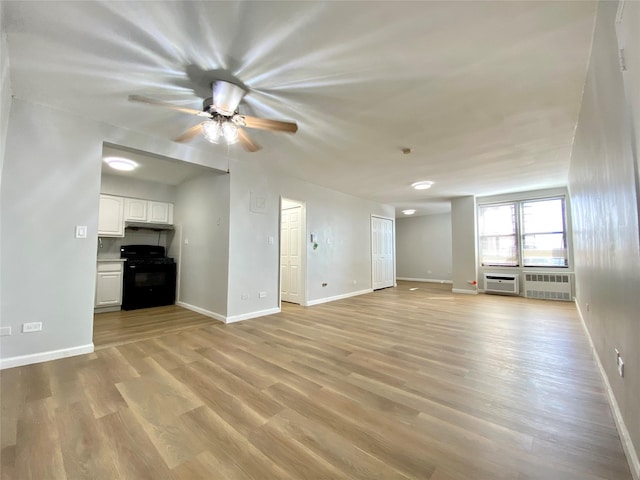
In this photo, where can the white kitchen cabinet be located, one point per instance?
(160, 212)
(148, 211)
(111, 216)
(109, 285)
(135, 210)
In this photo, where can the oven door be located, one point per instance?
(149, 286)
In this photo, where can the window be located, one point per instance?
(498, 235)
(531, 233)
(544, 241)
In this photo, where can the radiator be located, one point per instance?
(549, 286)
(501, 283)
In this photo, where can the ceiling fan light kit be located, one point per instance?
(216, 129)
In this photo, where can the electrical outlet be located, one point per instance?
(244, 296)
(262, 294)
(5, 331)
(31, 327)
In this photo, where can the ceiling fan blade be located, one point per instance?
(266, 124)
(246, 142)
(190, 134)
(138, 98)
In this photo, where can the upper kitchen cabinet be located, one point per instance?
(111, 216)
(160, 212)
(135, 210)
(149, 211)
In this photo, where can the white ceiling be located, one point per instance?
(153, 168)
(486, 94)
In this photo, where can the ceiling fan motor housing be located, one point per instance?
(226, 97)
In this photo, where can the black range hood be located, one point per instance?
(148, 226)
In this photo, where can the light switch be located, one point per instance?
(270, 240)
(81, 231)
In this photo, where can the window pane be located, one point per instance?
(499, 250)
(542, 216)
(498, 239)
(544, 249)
(543, 233)
(498, 220)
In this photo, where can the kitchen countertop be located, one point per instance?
(112, 259)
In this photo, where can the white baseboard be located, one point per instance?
(625, 438)
(208, 313)
(461, 290)
(338, 297)
(231, 319)
(21, 360)
(425, 280)
(250, 315)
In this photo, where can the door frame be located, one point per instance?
(393, 245)
(303, 249)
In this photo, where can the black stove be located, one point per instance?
(149, 277)
(150, 261)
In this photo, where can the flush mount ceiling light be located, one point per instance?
(409, 211)
(122, 164)
(423, 185)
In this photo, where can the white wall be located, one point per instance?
(133, 188)
(202, 216)
(5, 92)
(342, 223)
(50, 184)
(5, 107)
(604, 206)
(424, 248)
(463, 248)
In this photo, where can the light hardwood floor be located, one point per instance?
(398, 384)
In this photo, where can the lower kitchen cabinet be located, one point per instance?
(109, 286)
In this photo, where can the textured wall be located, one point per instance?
(464, 250)
(342, 223)
(202, 217)
(424, 247)
(605, 221)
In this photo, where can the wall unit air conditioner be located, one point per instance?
(501, 283)
(549, 286)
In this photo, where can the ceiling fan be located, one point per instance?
(224, 122)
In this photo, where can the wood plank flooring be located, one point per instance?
(397, 384)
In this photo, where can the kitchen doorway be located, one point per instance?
(293, 252)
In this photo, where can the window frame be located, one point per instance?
(520, 235)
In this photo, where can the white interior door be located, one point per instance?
(290, 254)
(382, 253)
